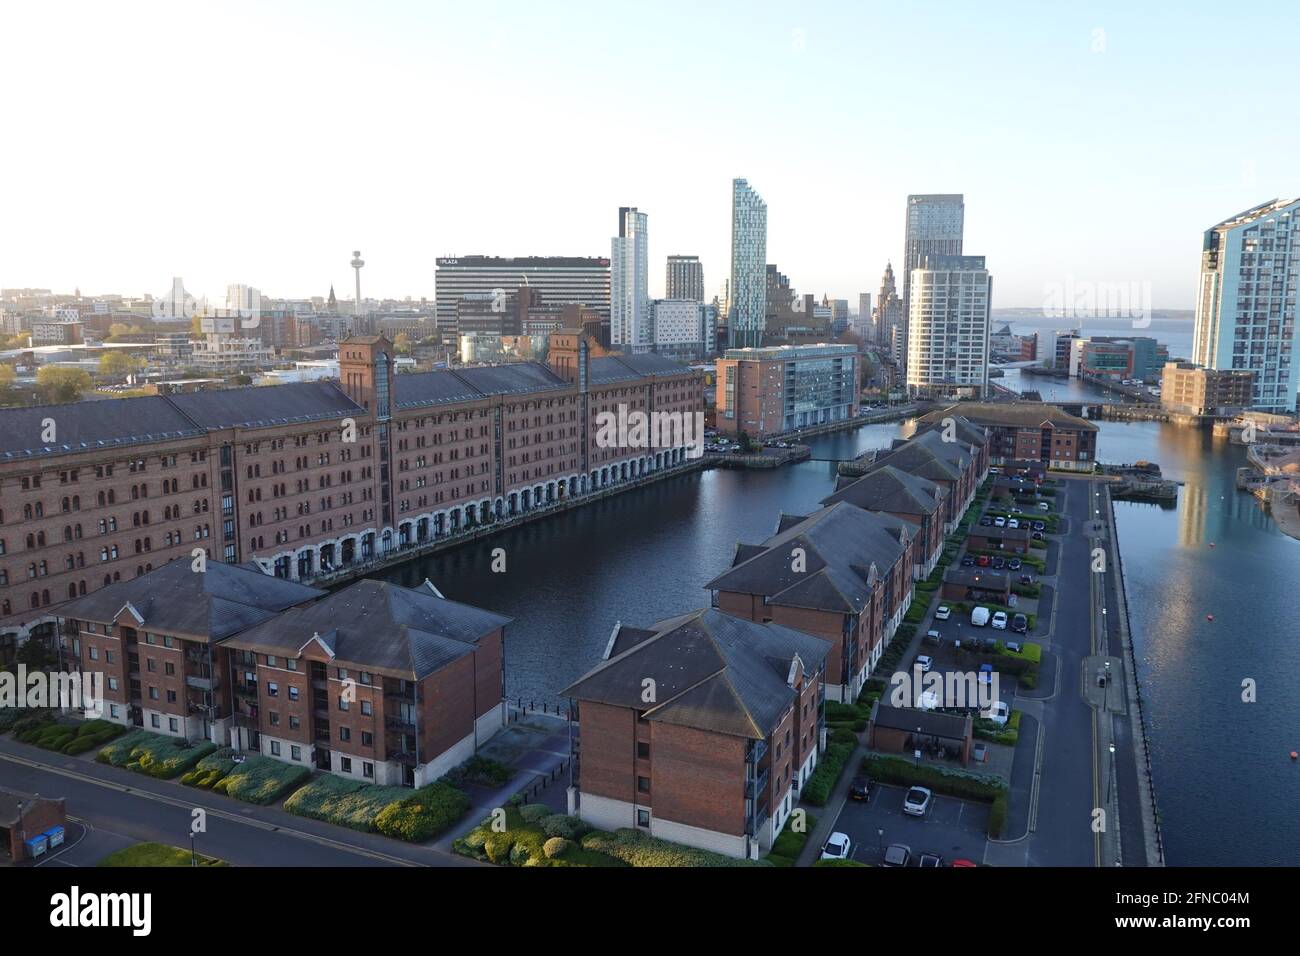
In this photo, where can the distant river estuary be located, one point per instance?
(1224, 780)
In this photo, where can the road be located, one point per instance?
(119, 807)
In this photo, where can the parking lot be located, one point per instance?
(955, 829)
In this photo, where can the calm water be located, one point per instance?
(1227, 789)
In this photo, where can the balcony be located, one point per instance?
(399, 724)
(245, 690)
(757, 751)
(754, 786)
(197, 682)
(402, 757)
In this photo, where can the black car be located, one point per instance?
(968, 561)
(1040, 525)
(1038, 536)
(1013, 564)
(986, 521)
(1026, 579)
(1020, 624)
(999, 563)
(860, 789)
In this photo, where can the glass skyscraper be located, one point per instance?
(934, 228)
(747, 305)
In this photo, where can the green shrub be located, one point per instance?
(261, 780)
(481, 771)
(842, 735)
(828, 863)
(555, 847)
(953, 783)
(423, 815)
(639, 849)
(997, 816)
(563, 825)
(154, 754)
(535, 812)
(819, 786)
(788, 844)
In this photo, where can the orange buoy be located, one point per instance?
(1294, 755)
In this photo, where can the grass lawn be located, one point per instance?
(156, 854)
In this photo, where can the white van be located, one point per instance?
(979, 616)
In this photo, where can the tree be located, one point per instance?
(59, 385)
(118, 364)
(7, 376)
(402, 344)
(117, 330)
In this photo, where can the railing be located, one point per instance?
(754, 786)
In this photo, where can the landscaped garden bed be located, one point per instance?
(154, 754)
(158, 854)
(45, 730)
(255, 779)
(399, 812)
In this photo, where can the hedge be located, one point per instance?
(640, 849)
(210, 769)
(830, 863)
(260, 780)
(819, 786)
(525, 844)
(479, 771)
(423, 815)
(997, 816)
(154, 754)
(953, 783)
(789, 844)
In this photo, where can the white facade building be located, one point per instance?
(948, 351)
(1246, 306)
(684, 328)
(935, 223)
(630, 318)
(747, 291)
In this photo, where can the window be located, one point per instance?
(171, 724)
(272, 689)
(367, 769)
(295, 752)
(367, 738)
(153, 693)
(345, 764)
(274, 718)
(366, 708)
(154, 721)
(642, 749)
(275, 748)
(345, 734)
(294, 722)
(293, 693)
(343, 703)
(643, 784)
(642, 817)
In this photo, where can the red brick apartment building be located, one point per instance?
(696, 729)
(917, 500)
(306, 479)
(841, 573)
(1028, 431)
(386, 684)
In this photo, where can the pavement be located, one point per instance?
(955, 829)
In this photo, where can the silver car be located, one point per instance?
(917, 802)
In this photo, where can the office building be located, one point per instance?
(1188, 389)
(1246, 306)
(948, 329)
(1117, 359)
(683, 328)
(888, 318)
(747, 290)
(562, 280)
(862, 323)
(684, 278)
(934, 227)
(775, 390)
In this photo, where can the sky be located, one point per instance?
(262, 143)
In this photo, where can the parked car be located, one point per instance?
(1038, 536)
(1044, 506)
(1013, 523)
(999, 621)
(999, 563)
(1020, 624)
(837, 847)
(1040, 525)
(962, 863)
(968, 560)
(983, 560)
(979, 616)
(932, 636)
(943, 613)
(1013, 647)
(1000, 522)
(860, 788)
(999, 713)
(898, 855)
(930, 859)
(1013, 564)
(1026, 579)
(925, 662)
(986, 521)
(917, 802)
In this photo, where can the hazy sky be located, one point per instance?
(262, 143)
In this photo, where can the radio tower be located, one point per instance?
(357, 263)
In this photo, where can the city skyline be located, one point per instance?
(1097, 92)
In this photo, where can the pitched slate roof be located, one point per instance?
(967, 430)
(175, 599)
(625, 368)
(930, 722)
(443, 386)
(711, 671)
(891, 489)
(378, 626)
(1011, 414)
(846, 550)
(916, 458)
(261, 406)
(88, 425)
